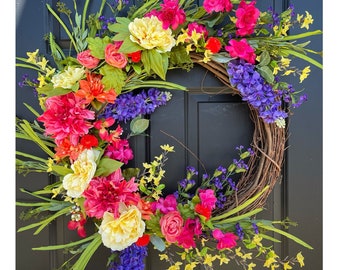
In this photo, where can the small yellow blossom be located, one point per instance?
(232, 19)
(251, 266)
(308, 19)
(288, 72)
(32, 56)
(270, 260)
(191, 266)
(176, 266)
(163, 257)
(189, 48)
(238, 252)
(42, 63)
(300, 259)
(196, 36)
(276, 70)
(247, 256)
(286, 266)
(257, 240)
(50, 164)
(299, 17)
(56, 191)
(285, 29)
(41, 80)
(182, 38)
(224, 260)
(274, 266)
(207, 56)
(209, 259)
(304, 74)
(285, 62)
(49, 72)
(167, 148)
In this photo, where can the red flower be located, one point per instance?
(203, 210)
(89, 141)
(143, 241)
(78, 225)
(213, 44)
(135, 56)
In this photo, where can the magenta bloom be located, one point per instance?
(106, 193)
(171, 14)
(217, 5)
(247, 15)
(120, 150)
(166, 205)
(192, 228)
(199, 28)
(225, 240)
(208, 198)
(66, 116)
(242, 50)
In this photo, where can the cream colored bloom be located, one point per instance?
(68, 77)
(148, 32)
(119, 233)
(84, 169)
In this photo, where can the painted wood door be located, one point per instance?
(187, 119)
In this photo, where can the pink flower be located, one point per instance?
(171, 14)
(106, 193)
(66, 117)
(78, 225)
(87, 60)
(217, 5)
(192, 228)
(227, 240)
(247, 15)
(120, 150)
(199, 28)
(242, 50)
(171, 226)
(207, 197)
(113, 57)
(167, 205)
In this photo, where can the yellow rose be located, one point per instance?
(68, 77)
(148, 32)
(119, 233)
(84, 169)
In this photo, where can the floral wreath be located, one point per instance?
(115, 74)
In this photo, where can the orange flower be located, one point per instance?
(93, 88)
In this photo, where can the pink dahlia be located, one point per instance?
(217, 5)
(120, 150)
(247, 15)
(242, 50)
(66, 116)
(106, 193)
(225, 240)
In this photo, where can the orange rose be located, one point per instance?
(171, 226)
(113, 57)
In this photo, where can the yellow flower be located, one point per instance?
(182, 38)
(148, 32)
(167, 148)
(41, 80)
(308, 19)
(42, 63)
(247, 256)
(251, 266)
(285, 62)
(274, 266)
(300, 259)
(257, 240)
(189, 48)
(176, 266)
(271, 259)
(49, 72)
(84, 169)
(224, 260)
(286, 266)
(288, 72)
(32, 56)
(163, 257)
(209, 259)
(304, 74)
(191, 266)
(299, 17)
(207, 56)
(67, 78)
(238, 252)
(119, 233)
(195, 36)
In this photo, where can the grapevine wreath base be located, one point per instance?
(268, 144)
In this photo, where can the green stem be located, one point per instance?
(299, 36)
(31, 156)
(64, 26)
(303, 57)
(84, 15)
(28, 66)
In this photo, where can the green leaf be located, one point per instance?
(107, 166)
(49, 91)
(266, 73)
(97, 46)
(113, 78)
(264, 59)
(139, 125)
(159, 63)
(61, 170)
(88, 253)
(146, 61)
(240, 217)
(129, 46)
(288, 235)
(157, 242)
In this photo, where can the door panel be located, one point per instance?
(186, 123)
